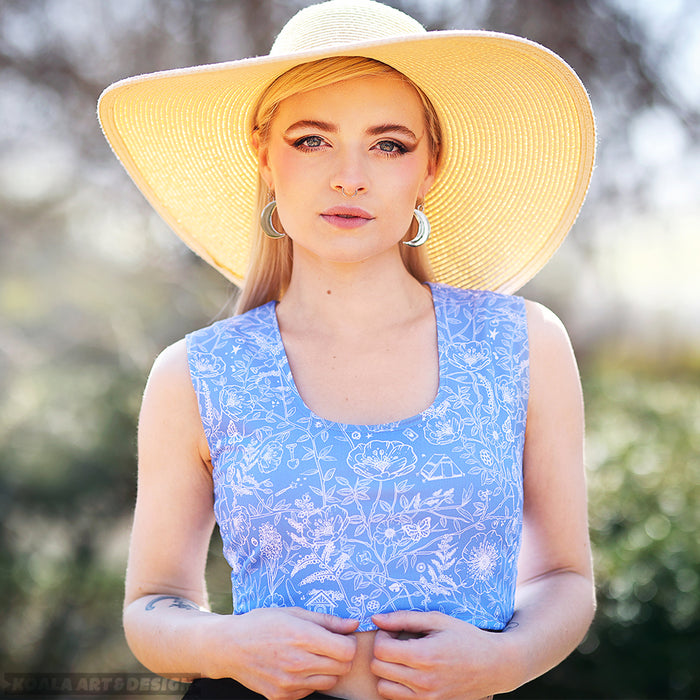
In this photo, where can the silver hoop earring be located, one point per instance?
(423, 228)
(266, 221)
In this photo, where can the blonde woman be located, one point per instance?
(390, 443)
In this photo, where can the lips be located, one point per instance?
(346, 217)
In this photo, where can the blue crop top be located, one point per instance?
(421, 514)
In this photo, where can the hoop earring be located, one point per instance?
(423, 228)
(266, 221)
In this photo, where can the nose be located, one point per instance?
(350, 178)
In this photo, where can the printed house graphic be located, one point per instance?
(322, 602)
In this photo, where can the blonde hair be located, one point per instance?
(270, 266)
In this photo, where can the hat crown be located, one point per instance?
(339, 22)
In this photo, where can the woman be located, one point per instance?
(375, 449)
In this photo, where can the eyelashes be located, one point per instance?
(386, 147)
(308, 143)
(394, 148)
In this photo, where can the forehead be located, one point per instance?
(368, 99)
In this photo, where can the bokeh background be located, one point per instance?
(92, 286)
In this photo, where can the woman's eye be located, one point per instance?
(391, 147)
(309, 142)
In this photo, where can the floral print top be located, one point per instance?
(421, 514)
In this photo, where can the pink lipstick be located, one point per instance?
(346, 217)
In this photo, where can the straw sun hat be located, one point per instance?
(517, 152)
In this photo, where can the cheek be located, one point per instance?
(287, 168)
(406, 185)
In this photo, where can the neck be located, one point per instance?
(346, 298)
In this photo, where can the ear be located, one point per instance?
(262, 153)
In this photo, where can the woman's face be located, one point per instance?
(366, 135)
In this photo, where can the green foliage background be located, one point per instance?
(92, 287)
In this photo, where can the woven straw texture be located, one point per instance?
(516, 163)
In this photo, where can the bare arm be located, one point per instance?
(173, 522)
(555, 595)
(167, 621)
(555, 598)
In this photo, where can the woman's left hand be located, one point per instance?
(450, 658)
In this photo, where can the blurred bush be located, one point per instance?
(643, 445)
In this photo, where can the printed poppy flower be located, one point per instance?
(382, 460)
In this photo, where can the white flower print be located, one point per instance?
(389, 531)
(236, 403)
(507, 393)
(443, 428)
(480, 559)
(207, 364)
(382, 460)
(269, 456)
(321, 531)
(471, 356)
(270, 542)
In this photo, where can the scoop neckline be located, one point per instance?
(288, 378)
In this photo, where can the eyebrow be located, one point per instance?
(392, 128)
(312, 124)
(333, 129)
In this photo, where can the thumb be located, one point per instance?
(333, 623)
(408, 621)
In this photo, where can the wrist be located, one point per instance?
(512, 664)
(211, 645)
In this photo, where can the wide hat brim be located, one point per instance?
(518, 151)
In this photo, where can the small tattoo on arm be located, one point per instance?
(177, 602)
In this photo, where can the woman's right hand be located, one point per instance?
(284, 653)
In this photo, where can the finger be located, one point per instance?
(321, 682)
(337, 647)
(395, 651)
(317, 639)
(408, 621)
(333, 623)
(324, 665)
(396, 673)
(394, 691)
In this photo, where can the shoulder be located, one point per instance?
(169, 410)
(547, 333)
(170, 374)
(554, 376)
